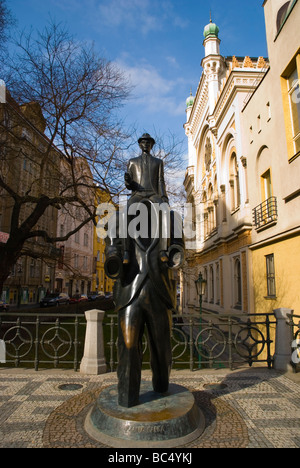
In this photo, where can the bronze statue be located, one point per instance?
(145, 289)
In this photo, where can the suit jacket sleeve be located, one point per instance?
(161, 183)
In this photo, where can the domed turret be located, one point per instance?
(211, 30)
(190, 100)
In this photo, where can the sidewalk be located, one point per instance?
(248, 408)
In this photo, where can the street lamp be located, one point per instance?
(200, 284)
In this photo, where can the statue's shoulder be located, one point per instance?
(156, 160)
(134, 161)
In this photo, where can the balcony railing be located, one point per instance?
(266, 213)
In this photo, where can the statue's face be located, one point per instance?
(146, 145)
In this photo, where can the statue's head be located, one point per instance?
(146, 142)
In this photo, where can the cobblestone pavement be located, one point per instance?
(248, 408)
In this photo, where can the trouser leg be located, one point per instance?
(131, 331)
(159, 332)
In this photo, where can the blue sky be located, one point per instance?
(158, 43)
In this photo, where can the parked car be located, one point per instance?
(78, 298)
(55, 299)
(4, 307)
(93, 296)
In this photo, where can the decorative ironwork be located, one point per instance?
(212, 341)
(19, 342)
(38, 339)
(266, 213)
(219, 342)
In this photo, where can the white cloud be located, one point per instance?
(143, 15)
(133, 13)
(155, 92)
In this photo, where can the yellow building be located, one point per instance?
(270, 123)
(101, 283)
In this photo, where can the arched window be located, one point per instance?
(234, 182)
(237, 283)
(205, 215)
(212, 284)
(211, 209)
(218, 283)
(205, 277)
(281, 15)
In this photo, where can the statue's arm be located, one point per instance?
(161, 183)
(129, 182)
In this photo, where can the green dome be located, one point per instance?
(190, 100)
(211, 30)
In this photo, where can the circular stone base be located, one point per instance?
(167, 420)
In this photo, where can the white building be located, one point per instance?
(216, 180)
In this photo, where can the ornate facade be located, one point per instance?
(216, 180)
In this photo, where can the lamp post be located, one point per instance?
(201, 289)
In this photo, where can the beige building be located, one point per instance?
(23, 145)
(74, 271)
(216, 180)
(270, 126)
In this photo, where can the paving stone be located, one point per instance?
(249, 408)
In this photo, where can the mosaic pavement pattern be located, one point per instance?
(245, 409)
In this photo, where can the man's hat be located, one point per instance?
(146, 136)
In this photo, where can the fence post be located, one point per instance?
(283, 349)
(93, 361)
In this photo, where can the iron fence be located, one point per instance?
(294, 322)
(43, 339)
(211, 341)
(57, 340)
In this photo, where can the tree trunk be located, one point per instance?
(8, 258)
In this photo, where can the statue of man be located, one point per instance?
(145, 177)
(145, 290)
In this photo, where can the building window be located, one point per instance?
(237, 284)
(283, 14)
(266, 214)
(205, 276)
(32, 269)
(234, 183)
(270, 265)
(294, 101)
(218, 283)
(211, 210)
(291, 105)
(212, 285)
(266, 185)
(86, 240)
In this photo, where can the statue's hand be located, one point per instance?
(176, 256)
(128, 178)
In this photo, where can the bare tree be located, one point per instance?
(71, 96)
(61, 141)
(6, 22)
